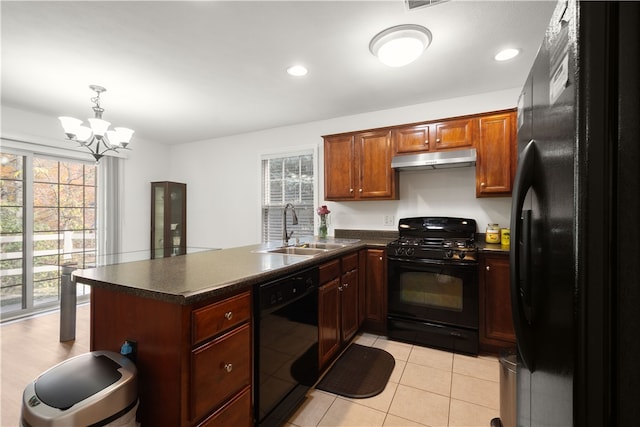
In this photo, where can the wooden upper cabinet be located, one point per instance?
(412, 139)
(358, 167)
(441, 135)
(339, 161)
(496, 150)
(453, 134)
(377, 179)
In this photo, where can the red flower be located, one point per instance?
(323, 210)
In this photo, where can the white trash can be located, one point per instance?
(94, 389)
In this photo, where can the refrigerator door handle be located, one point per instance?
(520, 256)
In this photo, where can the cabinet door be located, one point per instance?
(496, 324)
(411, 139)
(377, 180)
(349, 305)
(328, 320)
(375, 291)
(453, 134)
(495, 167)
(339, 167)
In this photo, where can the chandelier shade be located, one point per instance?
(96, 137)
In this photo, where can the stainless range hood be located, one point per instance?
(435, 160)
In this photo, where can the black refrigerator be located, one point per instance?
(575, 220)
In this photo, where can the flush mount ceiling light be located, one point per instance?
(297, 71)
(506, 54)
(400, 45)
(96, 138)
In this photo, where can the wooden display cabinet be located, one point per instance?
(168, 219)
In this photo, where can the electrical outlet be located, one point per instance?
(388, 220)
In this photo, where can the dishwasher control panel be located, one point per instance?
(287, 289)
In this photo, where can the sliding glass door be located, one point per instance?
(48, 212)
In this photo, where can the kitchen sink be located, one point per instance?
(320, 245)
(308, 249)
(296, 250)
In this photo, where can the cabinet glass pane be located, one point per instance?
(158, 241)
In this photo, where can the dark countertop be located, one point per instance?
(200, 276)
(491, 247)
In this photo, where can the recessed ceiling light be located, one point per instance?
(400, 45)
(297, 71)
(506, 54)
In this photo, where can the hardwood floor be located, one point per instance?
(28, 348)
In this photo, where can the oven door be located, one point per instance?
(433, 291)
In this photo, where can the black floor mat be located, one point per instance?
(360, 372)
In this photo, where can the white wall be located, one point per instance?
(223, 176)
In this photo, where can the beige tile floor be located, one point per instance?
(428, 388)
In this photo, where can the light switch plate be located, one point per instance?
(388, 220)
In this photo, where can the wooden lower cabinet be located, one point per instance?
(496, 324)
(194, 361)
(328, 320)
(338, 318)
(234, 413)
(373, 303)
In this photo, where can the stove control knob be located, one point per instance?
(448, 254)
(399, 251)
(410, 251)
(461, 255)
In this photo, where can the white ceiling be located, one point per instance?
(185, 71)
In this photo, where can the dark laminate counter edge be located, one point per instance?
(492, 248)
(207, 275)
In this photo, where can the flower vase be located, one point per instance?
(322, 230)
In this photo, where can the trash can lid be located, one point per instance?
(77, 379)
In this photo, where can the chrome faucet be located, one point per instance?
(294, 221)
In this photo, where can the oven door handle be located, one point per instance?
(432, 262)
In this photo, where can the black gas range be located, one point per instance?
(433, 283)
(435, 238)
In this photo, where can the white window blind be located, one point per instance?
(287, 178)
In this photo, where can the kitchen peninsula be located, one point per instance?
(190, 317)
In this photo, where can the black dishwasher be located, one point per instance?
(286, 345)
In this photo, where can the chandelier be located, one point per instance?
(96, 137)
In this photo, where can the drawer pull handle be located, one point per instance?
(228, 367)
(228, 315)
(346, 285)
(488, 268)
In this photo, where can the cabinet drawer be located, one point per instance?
(329, 271)
(219, 370)
(216, 318)
(349, 262)
(236, 413)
